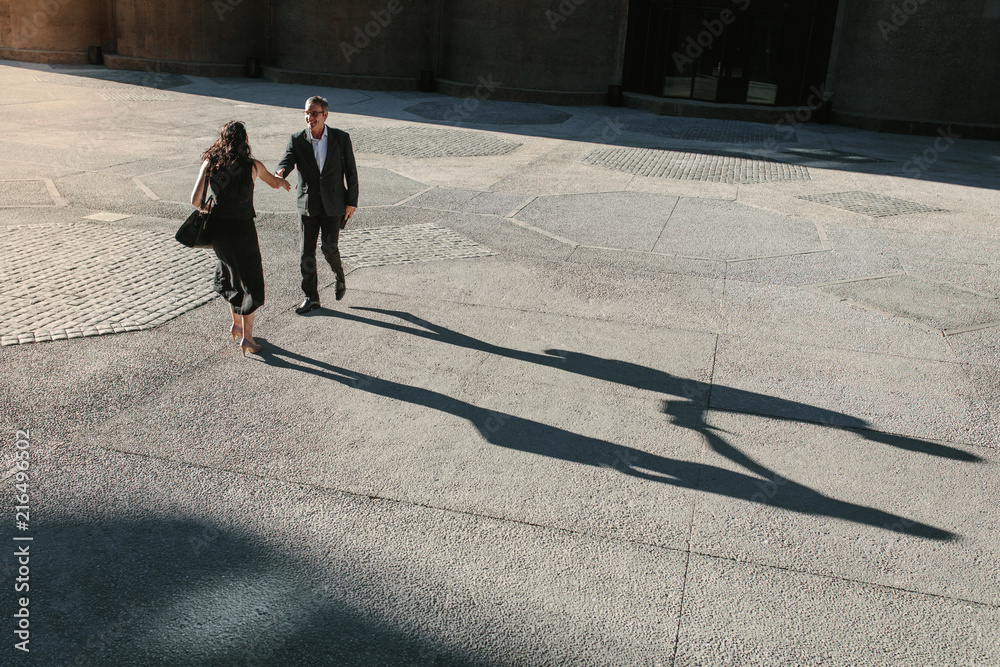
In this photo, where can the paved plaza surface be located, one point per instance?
(607, 388)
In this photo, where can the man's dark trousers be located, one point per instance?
(312, 228)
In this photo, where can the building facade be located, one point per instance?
(895, 65)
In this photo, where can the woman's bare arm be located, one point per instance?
(199, 186)
(269, 178)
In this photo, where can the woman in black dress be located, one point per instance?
(239, 276)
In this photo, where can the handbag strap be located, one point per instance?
(204, 187)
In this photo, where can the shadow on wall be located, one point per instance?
(183, 592)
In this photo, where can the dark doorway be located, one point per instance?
(729, 51)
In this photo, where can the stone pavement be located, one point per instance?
(606, 389)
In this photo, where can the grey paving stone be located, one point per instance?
(429, 142)
(980, 346)
(417, 585)
(869, 203)
(720, 229)
(488, 112)
(763, 616)
(381, 187)
(851, 504)
(914, 245)
(812, 268)
(25, 193)
(935, 305)
(629, 220)
(982, 278)
(444, 199)
(805, 317)
(468, 201)
(646, 261)
(917, 398)
(694, 166)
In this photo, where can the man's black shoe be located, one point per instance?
(306, 306)
(341, 290)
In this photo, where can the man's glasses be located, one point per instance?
(310, 114)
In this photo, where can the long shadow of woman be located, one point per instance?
(510, 431)
(693, 393)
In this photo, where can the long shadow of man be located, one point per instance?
(692, 393)
(510, 431)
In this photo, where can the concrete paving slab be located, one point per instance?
(791, 618)
(366, 481)
(911, 397)
(982, 278)
(803, 317)
(812, 268)
(648, 261)
(330, 585)
(727, 230)
(930, 304)
(632, 221)
(888, 242)
(976, 347)
(804, 503)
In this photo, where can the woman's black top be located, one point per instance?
(228, 201)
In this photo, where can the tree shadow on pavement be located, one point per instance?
(517, 433)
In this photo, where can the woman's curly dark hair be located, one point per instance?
(230, 160)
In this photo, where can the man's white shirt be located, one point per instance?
(319, 148)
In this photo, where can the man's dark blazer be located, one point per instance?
(326, 193)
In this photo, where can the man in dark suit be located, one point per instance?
(327, 194)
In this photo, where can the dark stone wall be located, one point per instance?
(898, 65)
(369, 37)
(52, 25)
(229, 31)
(918, 60)
(565, 45)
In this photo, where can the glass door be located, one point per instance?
(735, 63)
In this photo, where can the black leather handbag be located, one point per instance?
(195, 232)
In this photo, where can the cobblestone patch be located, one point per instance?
(869, 203)
(25, 193)
(429, 142)
(486, 112)
(715, 131)
(406, 245)
(694, 166)
(72, 280)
